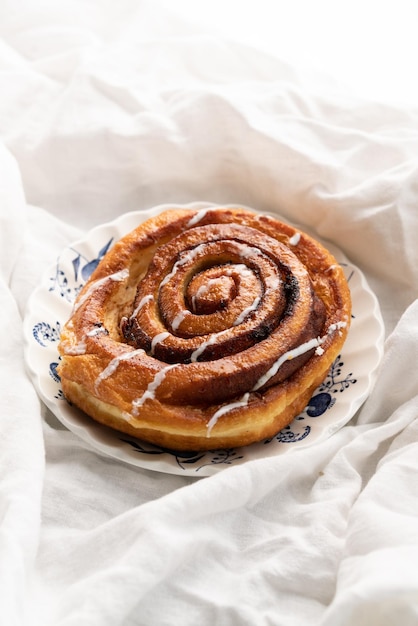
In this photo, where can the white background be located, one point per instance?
(370, 46)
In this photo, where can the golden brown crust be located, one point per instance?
(205, 329)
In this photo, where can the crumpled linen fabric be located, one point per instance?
(108, 108)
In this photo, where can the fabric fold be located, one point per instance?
(111, 109)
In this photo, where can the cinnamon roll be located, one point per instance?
(205, 329)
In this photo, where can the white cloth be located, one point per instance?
(104, 110)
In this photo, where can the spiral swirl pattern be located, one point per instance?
(212, 310)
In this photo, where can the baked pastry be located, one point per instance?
(205, 329)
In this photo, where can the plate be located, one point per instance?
(332, 405)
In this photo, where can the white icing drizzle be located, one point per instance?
(209, 342)
(295, 352)
(96, 331)
(225, 409)
(239, 268)
(117, 277)
(188, 256)
(251, 251)
(179, 318)
(142, 302)
(75, 350)
(247, 311)
(337, 326)
(198, 217)
(81, 347)
(294, 240)
(273, 283)
(114, 364)
(149, 393)
(158, 339)
(203, 289)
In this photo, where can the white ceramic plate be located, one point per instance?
(332, 405)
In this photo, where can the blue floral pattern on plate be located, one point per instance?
(43, 332)
(68, 286)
